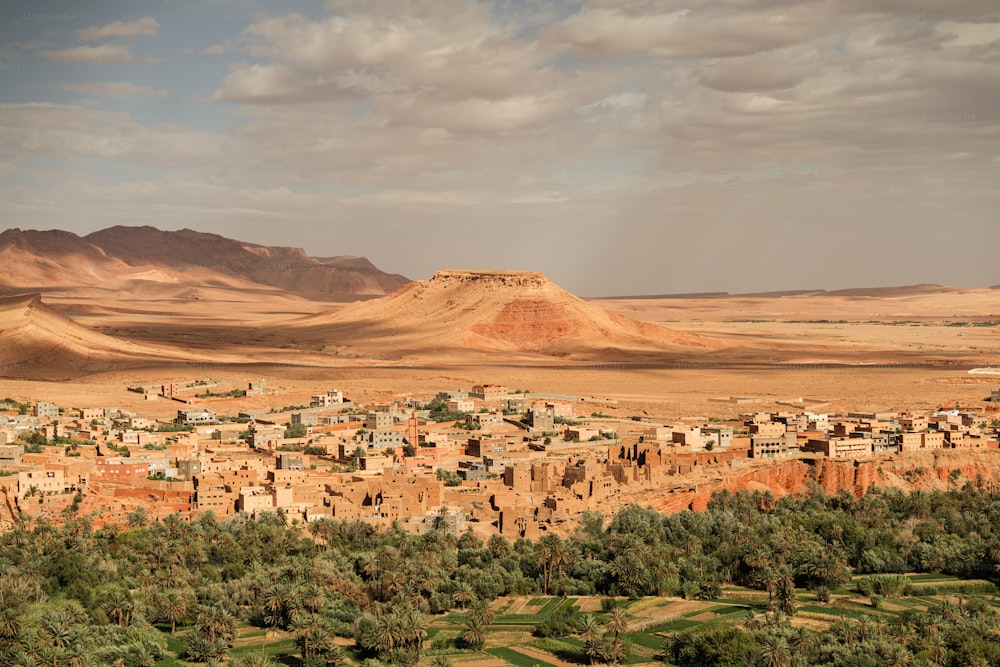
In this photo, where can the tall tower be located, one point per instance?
(411, 429)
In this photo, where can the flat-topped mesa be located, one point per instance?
(489, 278)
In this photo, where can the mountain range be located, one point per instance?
(39, 260)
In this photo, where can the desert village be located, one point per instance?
(485, 458)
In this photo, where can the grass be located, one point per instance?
(836, 611)
(280, 647)
(931, 577)
(672, 626)
(646, 639)
(725, 608)
(175, 645)
(518, 659)
(169, 661)
(550, 607)
(564, 648)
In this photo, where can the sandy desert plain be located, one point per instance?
(877, 349)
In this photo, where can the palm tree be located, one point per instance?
(253, 660)
(898, 656)
(77, 658)
(590, 633)
(475, 633)
(617, 625)
(482, 610)
(786, 592)
(119, 607)
(938, 649)
(304, 626)
(313, 598)
(775, 652)
(388, 632)
(803, 640)
(173, 606)
(546, 549)
(23, 659)
(617, 621)
(464, 595)
(10, 624)
(217, 623)
(751, 621)
(414, 631)
(276, 603)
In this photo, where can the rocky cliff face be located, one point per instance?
(913, 471)
(497, 280)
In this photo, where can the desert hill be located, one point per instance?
(44, 259)
(506, 312)
(37, 341)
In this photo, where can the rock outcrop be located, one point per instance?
(913, 471)
(505, 312)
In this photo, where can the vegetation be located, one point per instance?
(448, 477)
(11, 404)
(174, 428)
(33, 442)
(288, 408)
(173, 589)
(438, 411)
(233, 393)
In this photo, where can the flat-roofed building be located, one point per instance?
(489, 392)
(40, 482)
(773, 447)
(120, 469)
(841, 448)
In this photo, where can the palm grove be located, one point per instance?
(77, 596)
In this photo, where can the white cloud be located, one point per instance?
(607, 32)
(71, 132)
(218, 49)
(120, 90)
(144, 27)
(657, 117)
(105, 54)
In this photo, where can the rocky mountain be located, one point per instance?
(42, 259)
(492, 312)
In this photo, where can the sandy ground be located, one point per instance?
(846, 352)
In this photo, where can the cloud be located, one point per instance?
(218, 49)
(104, 54)
(119, 90)
(684, 33)
(144, 27)
(72, 132)
(277, 84)
(754, 119)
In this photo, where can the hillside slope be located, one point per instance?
(36, 341)
(42, 259)
(503, 312)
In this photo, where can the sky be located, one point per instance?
(620, 146)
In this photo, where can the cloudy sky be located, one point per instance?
(621, 146)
